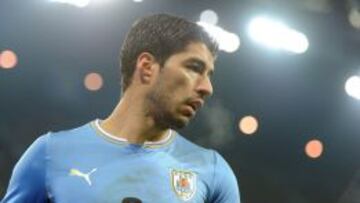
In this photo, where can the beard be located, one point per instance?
(159, 108)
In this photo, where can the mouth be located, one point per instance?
(191, 107)
(196, 104)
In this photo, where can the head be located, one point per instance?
(183, 54)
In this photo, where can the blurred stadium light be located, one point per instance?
(78, 3)
(209, 16)
(354, 13)
(8, 59)
(228, 42)
(276, 35)
(352, 87)
(354, 18)
(93, 81)
(314, 148)
(248, 125)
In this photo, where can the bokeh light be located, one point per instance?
(8, 59)
(354, 18)
(276, 35)
(248, 125)
(93, 81)
(209, 16)
(352, 87)
(228, 42)
(77, 3)
(314, 149)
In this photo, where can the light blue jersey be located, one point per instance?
(88, 165)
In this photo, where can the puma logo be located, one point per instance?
(86, 176)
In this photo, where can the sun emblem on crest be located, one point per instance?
(183, 183)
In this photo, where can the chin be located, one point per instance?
(172, 120)
(180, 122)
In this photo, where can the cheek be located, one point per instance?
(179, 84)
(175, 87)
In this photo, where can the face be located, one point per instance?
(181, 86)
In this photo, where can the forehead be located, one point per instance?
(197, 51)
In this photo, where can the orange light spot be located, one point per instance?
(248, 125)
(8, 59)
(93, 81)
(314, 149)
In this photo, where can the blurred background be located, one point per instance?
(286, 109)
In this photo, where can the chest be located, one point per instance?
(148, 178)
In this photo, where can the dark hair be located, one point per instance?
(162, 35)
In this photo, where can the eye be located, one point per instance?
(195, 67)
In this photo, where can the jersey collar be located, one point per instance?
(118, 140)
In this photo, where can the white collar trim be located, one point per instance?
(163, 141)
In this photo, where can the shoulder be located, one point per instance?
(185, 146)
(27, 182)
(77, 131)
(224, 186)
(202, 156)
(70, 135)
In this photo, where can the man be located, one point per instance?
(134, 155)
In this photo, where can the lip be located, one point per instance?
(188, 111)
(196, 104)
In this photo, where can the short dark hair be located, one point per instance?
(162, 35)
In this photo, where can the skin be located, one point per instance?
(162, 98)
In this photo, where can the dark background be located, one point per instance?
(296, 98)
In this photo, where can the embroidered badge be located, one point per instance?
(183, 183)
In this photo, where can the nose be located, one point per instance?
(204, 87)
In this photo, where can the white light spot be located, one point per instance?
(354, 18)
(228, 42)
(209, 16)
(78, 3)
(352, 87)
(276, 35)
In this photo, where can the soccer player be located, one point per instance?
(135, 155)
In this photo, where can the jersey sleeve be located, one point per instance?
(225, 188)
(27, 182)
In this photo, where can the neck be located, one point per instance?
(129, 121)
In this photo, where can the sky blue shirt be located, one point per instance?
(88, 165)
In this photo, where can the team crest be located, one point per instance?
(183, 183)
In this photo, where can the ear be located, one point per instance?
(145, 65)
